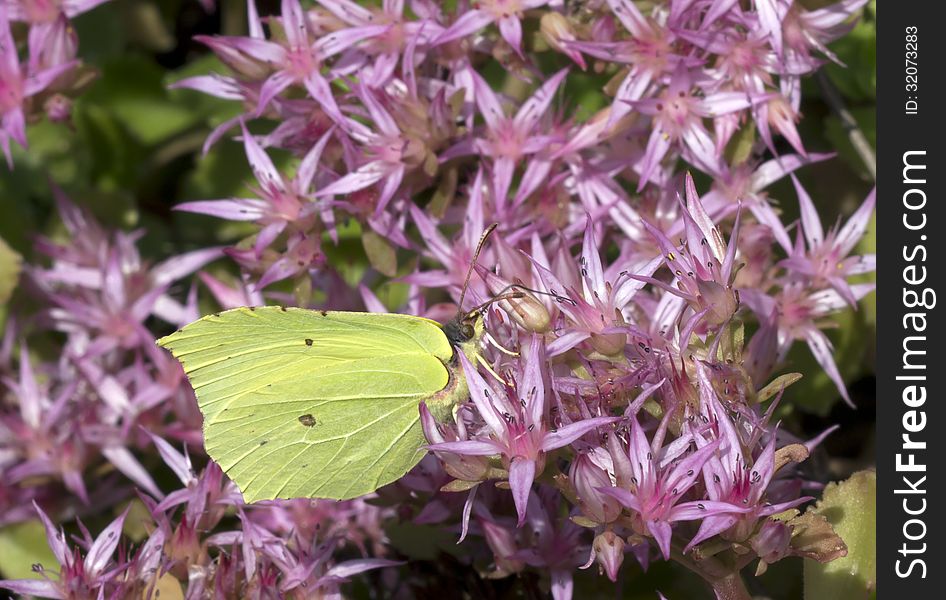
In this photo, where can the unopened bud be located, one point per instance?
(684, 390)
(609, 344)
(58, 108)
(529, 313)
(557, 31)
(502, 542)
(720, 299)
(761, 353)
(556, 28)
(772, 541)
(460, 466)
(609, 553)
(587, 478)
(237, 60)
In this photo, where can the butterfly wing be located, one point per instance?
(301, 403)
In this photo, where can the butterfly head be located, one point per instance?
(464, 328)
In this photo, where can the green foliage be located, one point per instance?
(23, 545)
(381, 254)
(857, 80)
(10, 264)
(851, 508)
(422, 542)
(132, 90)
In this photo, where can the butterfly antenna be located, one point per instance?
(520, 292)
(494, 300)
(553, 295)
(476, 255)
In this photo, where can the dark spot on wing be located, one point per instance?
(308, 420)
(263, 442)
(308, 341)
(324, 313)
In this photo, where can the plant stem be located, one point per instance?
(857, 138)
(731, 587)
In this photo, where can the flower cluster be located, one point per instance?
(50, 77)
(623, 400)
(275, 551)
(109, 380)
(111, 401)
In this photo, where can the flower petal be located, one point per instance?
(521, 476)
(100, 553)
(468, 447)
(469, 22)
(571, 432)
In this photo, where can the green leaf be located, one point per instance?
(732, 340)
(10, 264)
(739, 148)
(584, 93)
(103, 35)
(857, 80)
(132, 90)
(422, 542)
(851, 508)
(777, 385)
(381, 254)
(113, 155)
(222, 173)
(168, 587)
(23, 545)
(144, 23)
(866, 118)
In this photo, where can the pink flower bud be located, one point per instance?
(502, 542)
(529, 313)
(772, 541)
(459, 466)
(609, 344)
(609, 553)
(623, 471)
(761, 353)
(58, 108)
(719, 298)
(237, 55)
(587, 477)
(557, 31)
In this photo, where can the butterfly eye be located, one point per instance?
(467, 331)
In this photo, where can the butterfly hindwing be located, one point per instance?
(301, 403)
